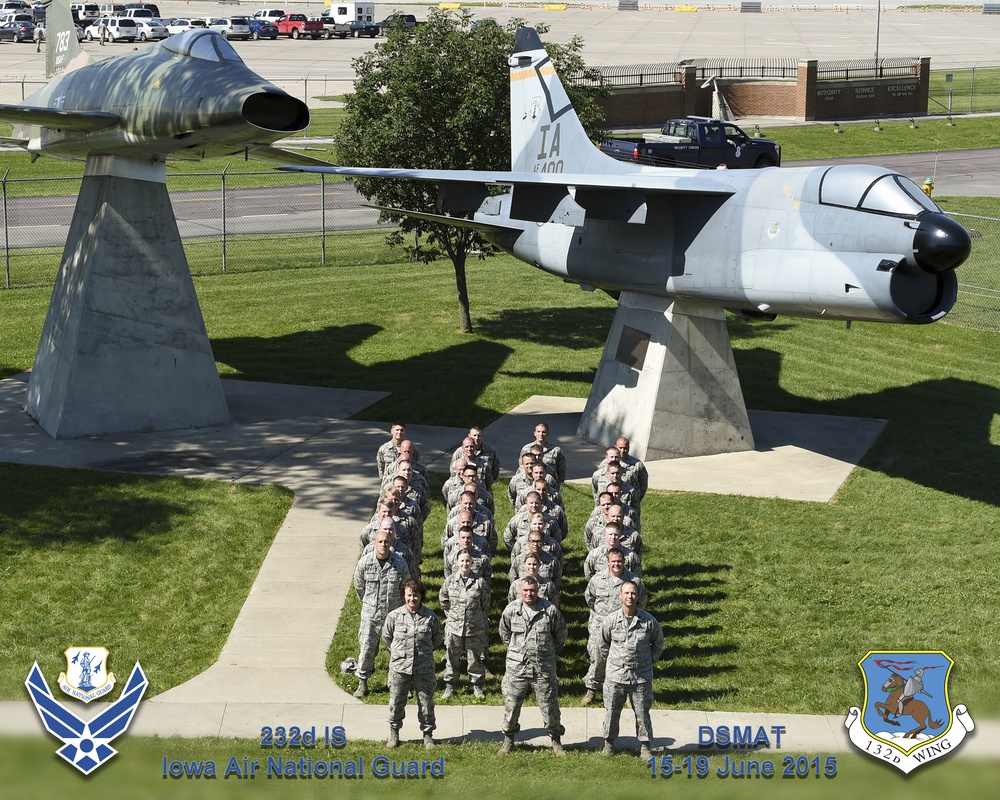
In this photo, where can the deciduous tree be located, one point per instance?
(438, 97)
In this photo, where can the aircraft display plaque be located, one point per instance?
(632, 346)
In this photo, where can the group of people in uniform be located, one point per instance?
(624, 640)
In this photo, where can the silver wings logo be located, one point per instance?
(86, 744)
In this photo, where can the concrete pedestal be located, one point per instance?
(667, 380)
(124, 347)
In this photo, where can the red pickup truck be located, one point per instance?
(298, 25)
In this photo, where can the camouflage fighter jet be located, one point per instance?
(187, 97)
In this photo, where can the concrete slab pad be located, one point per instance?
(797, 456)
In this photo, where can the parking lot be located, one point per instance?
(611, 37)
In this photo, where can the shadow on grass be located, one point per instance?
(938, 435)
(439, 387)
(38, 499)
(576, 328)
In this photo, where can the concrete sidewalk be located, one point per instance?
(272, 668)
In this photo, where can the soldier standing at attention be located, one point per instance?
(632, 641)
(534, 632)
(466, 602)
(389, 452)
(377, 581)
(412, 633)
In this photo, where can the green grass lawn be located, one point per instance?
(760, 597)
(155, 569)
(31, 770)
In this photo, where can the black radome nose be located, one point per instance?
(940, 243)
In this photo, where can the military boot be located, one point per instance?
(428, 741)
(645, 753)
(609, 748)
(507, 746)
(393, 741)
(589, 697)
(557, 748)
(362, 689)
(449, 692)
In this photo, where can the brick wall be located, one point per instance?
(804, 98)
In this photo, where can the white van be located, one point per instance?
(120, 29)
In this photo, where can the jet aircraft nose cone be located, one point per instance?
(940, 243)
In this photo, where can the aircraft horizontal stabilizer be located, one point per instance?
(281, 156)
(58, 118)
(444, 219)
(11, 142)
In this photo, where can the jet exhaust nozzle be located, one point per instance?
(940, 244)
(274, 111)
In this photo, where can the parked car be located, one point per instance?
(151, 30)
(17, 32)
(231, 27)
(299, 25)
(400, 20)
(184, 24)
(112, 9)
(18, 17)
(143, 6)
(262, 28)
(79, 32)
(269, 13)
(120, 29)
(361, 28)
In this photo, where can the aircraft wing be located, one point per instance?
(280, 156)
(455, 222)
(57, 118)
(662, 181)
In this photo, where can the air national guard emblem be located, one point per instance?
(86, 677)
(86, 743)
(907, 718)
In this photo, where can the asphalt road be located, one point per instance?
(290, 209)
(972, 173)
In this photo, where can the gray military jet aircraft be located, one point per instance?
(188, 97)
(848, 242)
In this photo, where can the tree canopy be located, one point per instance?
(438, 97)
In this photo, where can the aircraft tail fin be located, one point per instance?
(546, 133)
(63, 52)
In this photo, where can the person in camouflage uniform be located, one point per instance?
(534, 632)
(632, 642)
(377, 581)
(466, 602)
(603, 598)
(411, 634)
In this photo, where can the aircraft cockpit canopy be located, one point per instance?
(201, 44)
(873, 189)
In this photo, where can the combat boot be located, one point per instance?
(645, 753)
(609, 748)
(362, 689)
(589, 697)
(557, 748)
(478, 693)
(393, 741)
(428, 741)
(449, 692)
(507, 746)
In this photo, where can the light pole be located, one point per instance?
(878, 26)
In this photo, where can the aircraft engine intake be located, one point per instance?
(272, 111)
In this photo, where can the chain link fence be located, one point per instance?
(255, 221)
(229, 222)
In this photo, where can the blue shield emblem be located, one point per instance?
(907, 718)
